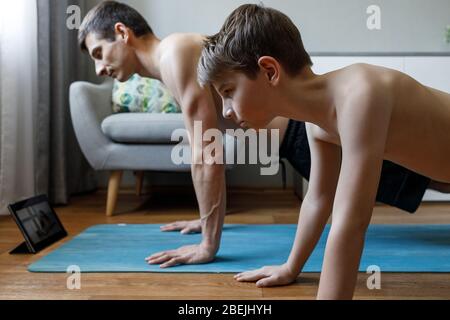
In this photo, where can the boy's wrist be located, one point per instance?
(293, 267)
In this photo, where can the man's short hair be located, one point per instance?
(102, 18)
(250, 32)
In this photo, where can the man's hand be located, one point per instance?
(185, 227)
(193, 254)
(269, 276)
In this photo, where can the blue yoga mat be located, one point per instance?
(123, 248)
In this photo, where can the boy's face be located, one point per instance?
(246, 101)
(112, 58)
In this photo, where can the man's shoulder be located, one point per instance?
(182, 45)
(178, 63)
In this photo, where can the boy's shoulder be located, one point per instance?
(362, 84)
(362, 95)
(363, 77)
(359, 76)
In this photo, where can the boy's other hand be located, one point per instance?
(185, 227)
(269, 276)
(192, 254)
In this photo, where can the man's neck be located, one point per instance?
(148, 55)
(308, 99)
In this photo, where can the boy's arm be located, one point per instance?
(318, 203)
(314, 213)
(363, 132)
(209, 179)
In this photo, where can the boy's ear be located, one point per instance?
(121, 31)
(270, 68)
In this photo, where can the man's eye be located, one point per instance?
(227, 93)
(97, 55)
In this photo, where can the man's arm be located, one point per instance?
(363, 133)
(314, 213)
(209, 179)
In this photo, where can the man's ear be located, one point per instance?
(270, 68)
(122, 31)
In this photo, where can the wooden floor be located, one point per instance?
(259, 207)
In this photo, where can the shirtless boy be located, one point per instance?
(121, 43)
(355, 117)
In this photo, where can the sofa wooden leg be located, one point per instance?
(139, 182)
(113, 191)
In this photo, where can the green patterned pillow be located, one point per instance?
(142, 95)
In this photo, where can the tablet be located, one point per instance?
(38, 222)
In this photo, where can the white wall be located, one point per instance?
(326, 25)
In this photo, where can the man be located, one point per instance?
(121, 43)
(356, 117)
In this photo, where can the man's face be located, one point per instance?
(247, 102)
(112, 58)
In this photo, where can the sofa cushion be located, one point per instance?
(140, 94)
(141, 128)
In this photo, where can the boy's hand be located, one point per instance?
(269, 276)
(192, 254)
(185, 227)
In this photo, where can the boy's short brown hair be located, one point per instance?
(102, 19)
(250, 32)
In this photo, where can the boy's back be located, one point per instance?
(418, 132)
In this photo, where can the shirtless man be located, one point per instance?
(121, 43)
(356, 117)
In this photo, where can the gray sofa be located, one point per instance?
(127, 141)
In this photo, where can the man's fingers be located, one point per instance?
(156, 255)
(190, 229)
(159, 260)
(172, 262)
(185, 230)
(175, 226)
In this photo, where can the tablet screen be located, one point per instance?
(38, 221)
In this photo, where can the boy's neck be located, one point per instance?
(148, 54)
(308, 98)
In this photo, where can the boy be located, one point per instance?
(356, 117)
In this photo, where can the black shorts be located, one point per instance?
(398, 187)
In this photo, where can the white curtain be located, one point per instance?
(18, 99)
